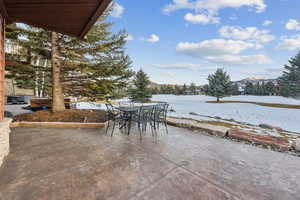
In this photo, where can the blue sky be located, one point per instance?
(183, 41)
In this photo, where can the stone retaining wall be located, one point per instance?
(194, 124)
(4, 139)
(280, 143)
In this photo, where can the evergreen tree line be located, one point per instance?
(220, 85)
(288, 82)
(261, 89)
(191, 89)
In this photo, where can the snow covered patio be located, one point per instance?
(87, 164)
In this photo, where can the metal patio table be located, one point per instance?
(130, 112)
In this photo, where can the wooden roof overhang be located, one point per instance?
(71, 17)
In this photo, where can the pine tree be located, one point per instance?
(249, 88)
(163, 89)
(28, 58)
(204, 89)
(154, 90)
(170, 89)
(178, 90)
(140, 92)
(257, 89)
(58, 100)
(96, 67)
(235, 89)
(289, 82)
(270, 88)
(184, 89)
(219, 84)
(193, 88)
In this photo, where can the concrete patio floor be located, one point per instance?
(86, 164)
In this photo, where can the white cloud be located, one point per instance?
(290, 43)
(250, 34)
(176, 5)
(153, 38)
(213, 6)
(117, 10)
(221, 51)
(201, 19)
(210, 8)
(257, 59)
(267, 23)
(214, 47)
(129, 37)
(292, 24)
(189, 66)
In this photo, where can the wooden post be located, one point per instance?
(2, 67)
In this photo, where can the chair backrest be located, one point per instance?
(161, 110)
(146, 111)
(166, 110)
(111, 111)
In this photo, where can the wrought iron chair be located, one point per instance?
(144, 116)
(160, 115)
(115, 116)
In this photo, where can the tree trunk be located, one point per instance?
(218, 99)
(13, 87)
(36, 88)
(58, 103)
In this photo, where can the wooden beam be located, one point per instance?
(4, 13)
(103, 4)
(3, 9)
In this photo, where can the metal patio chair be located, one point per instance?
(160, 115)
(144, 116)
(115, 116)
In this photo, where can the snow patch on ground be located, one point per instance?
(287, 119)
(89, 106)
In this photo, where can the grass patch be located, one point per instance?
(219, 123)
(215, 123)
(274, 105)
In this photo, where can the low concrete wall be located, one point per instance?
(4, 139)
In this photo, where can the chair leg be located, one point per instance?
(153, 124)
(140, 132)
(112, 132)
(107, 126)
(166, 125)
(152, 132)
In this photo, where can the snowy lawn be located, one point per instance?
(89, 106)
(287, 119)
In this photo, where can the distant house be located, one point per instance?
(12, 90)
